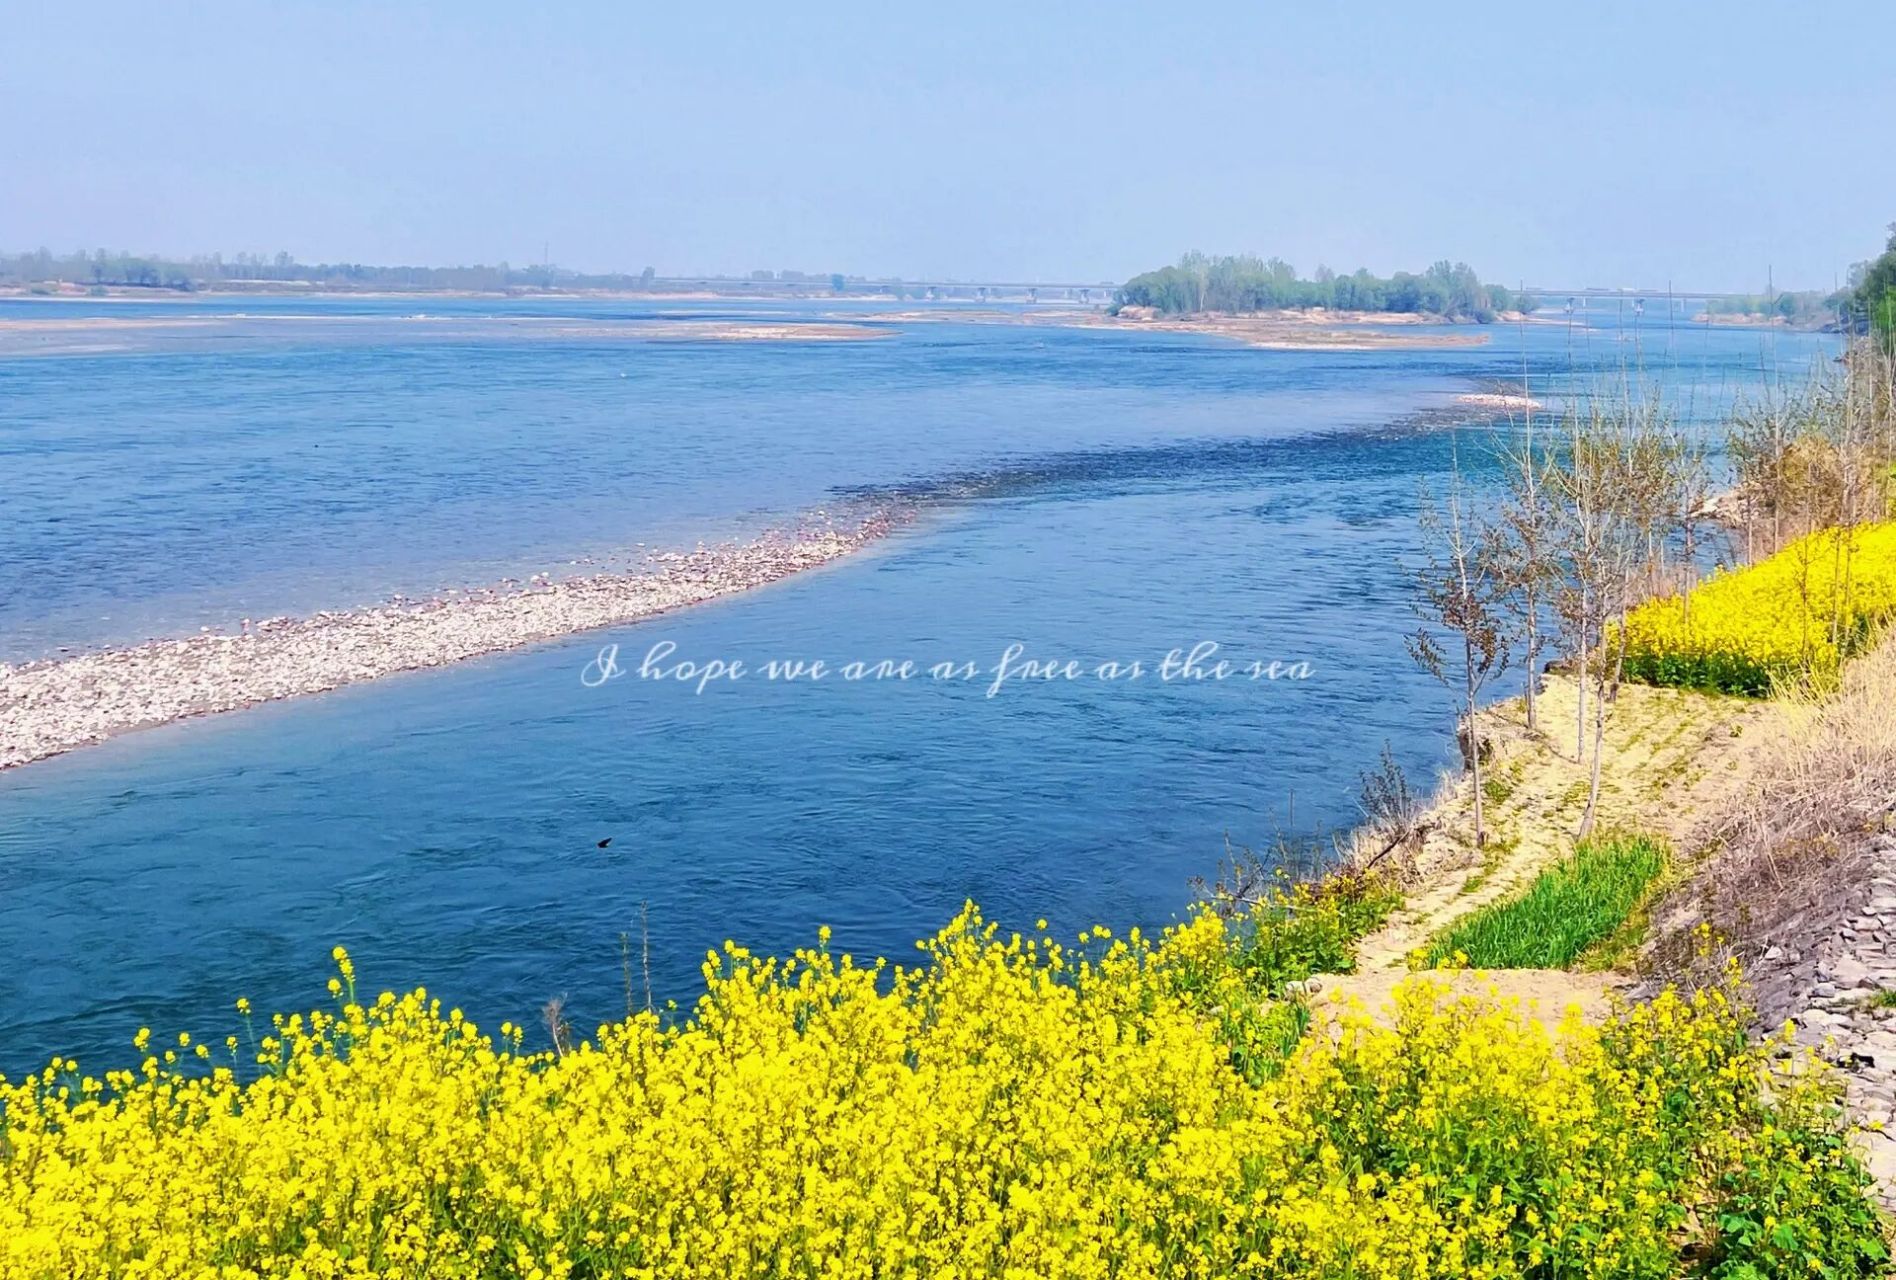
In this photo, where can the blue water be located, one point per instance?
(1117, 496)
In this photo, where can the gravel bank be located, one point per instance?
(1830, 970)
(52, 706)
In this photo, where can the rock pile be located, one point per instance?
(1831, 985)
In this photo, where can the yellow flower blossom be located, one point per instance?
(1009, 1107)
(1795, 615)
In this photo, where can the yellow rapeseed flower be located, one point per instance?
(1006, 1108)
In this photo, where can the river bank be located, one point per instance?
(52, 706)
(1780, 815)
(95, 335)
(1316, 329)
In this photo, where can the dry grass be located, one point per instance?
(1834, 774)
(1787, 855)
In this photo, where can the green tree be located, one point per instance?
(1875, 299)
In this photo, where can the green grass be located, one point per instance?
(1499, 787)
(1567, 909)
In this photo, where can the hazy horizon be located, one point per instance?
(1714, 147)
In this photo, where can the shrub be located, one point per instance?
(1567, 909)
(1795, 615)
(1010, 1107)
(1235, 959)
(1308, 928)
(1790, 1205)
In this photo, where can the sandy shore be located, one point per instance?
(1301, 330)
(52, 706)
(76, 335)
(1268, 330)
(1499, 400)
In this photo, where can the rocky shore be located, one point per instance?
(52, 706)
(1830, 971)
(1818, 945)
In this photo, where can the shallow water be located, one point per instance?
(1115, 497)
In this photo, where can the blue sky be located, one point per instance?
(1557, 144)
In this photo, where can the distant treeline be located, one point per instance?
(1872, 303)
(1241, 284)
(1804, 305)
(105, 268)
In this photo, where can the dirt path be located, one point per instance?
(1671, 755)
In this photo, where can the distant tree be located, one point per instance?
(1875, 297)
(836, 282)
(1404, 293)
(1173, 290)
(1246, 284)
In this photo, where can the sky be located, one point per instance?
(1714, 146)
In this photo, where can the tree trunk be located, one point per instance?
(1599, 729)
(1593, 778)
(1533, 650)
(1580, 697)
(1474, 742)
(1691, 576)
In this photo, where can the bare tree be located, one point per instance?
(557, 1027)
(1462, 590)
(1819, 457)
(1606, 476)
(1527, 565)
(1394, 813)
(1690, 489)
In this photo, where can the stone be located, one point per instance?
(1848, 971)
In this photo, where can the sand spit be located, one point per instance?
(1267, 330)
(721, 332)
(1499, 400)
(75, 335)
(1299, 330)
(48, 707)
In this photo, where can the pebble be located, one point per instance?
(51, 706)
